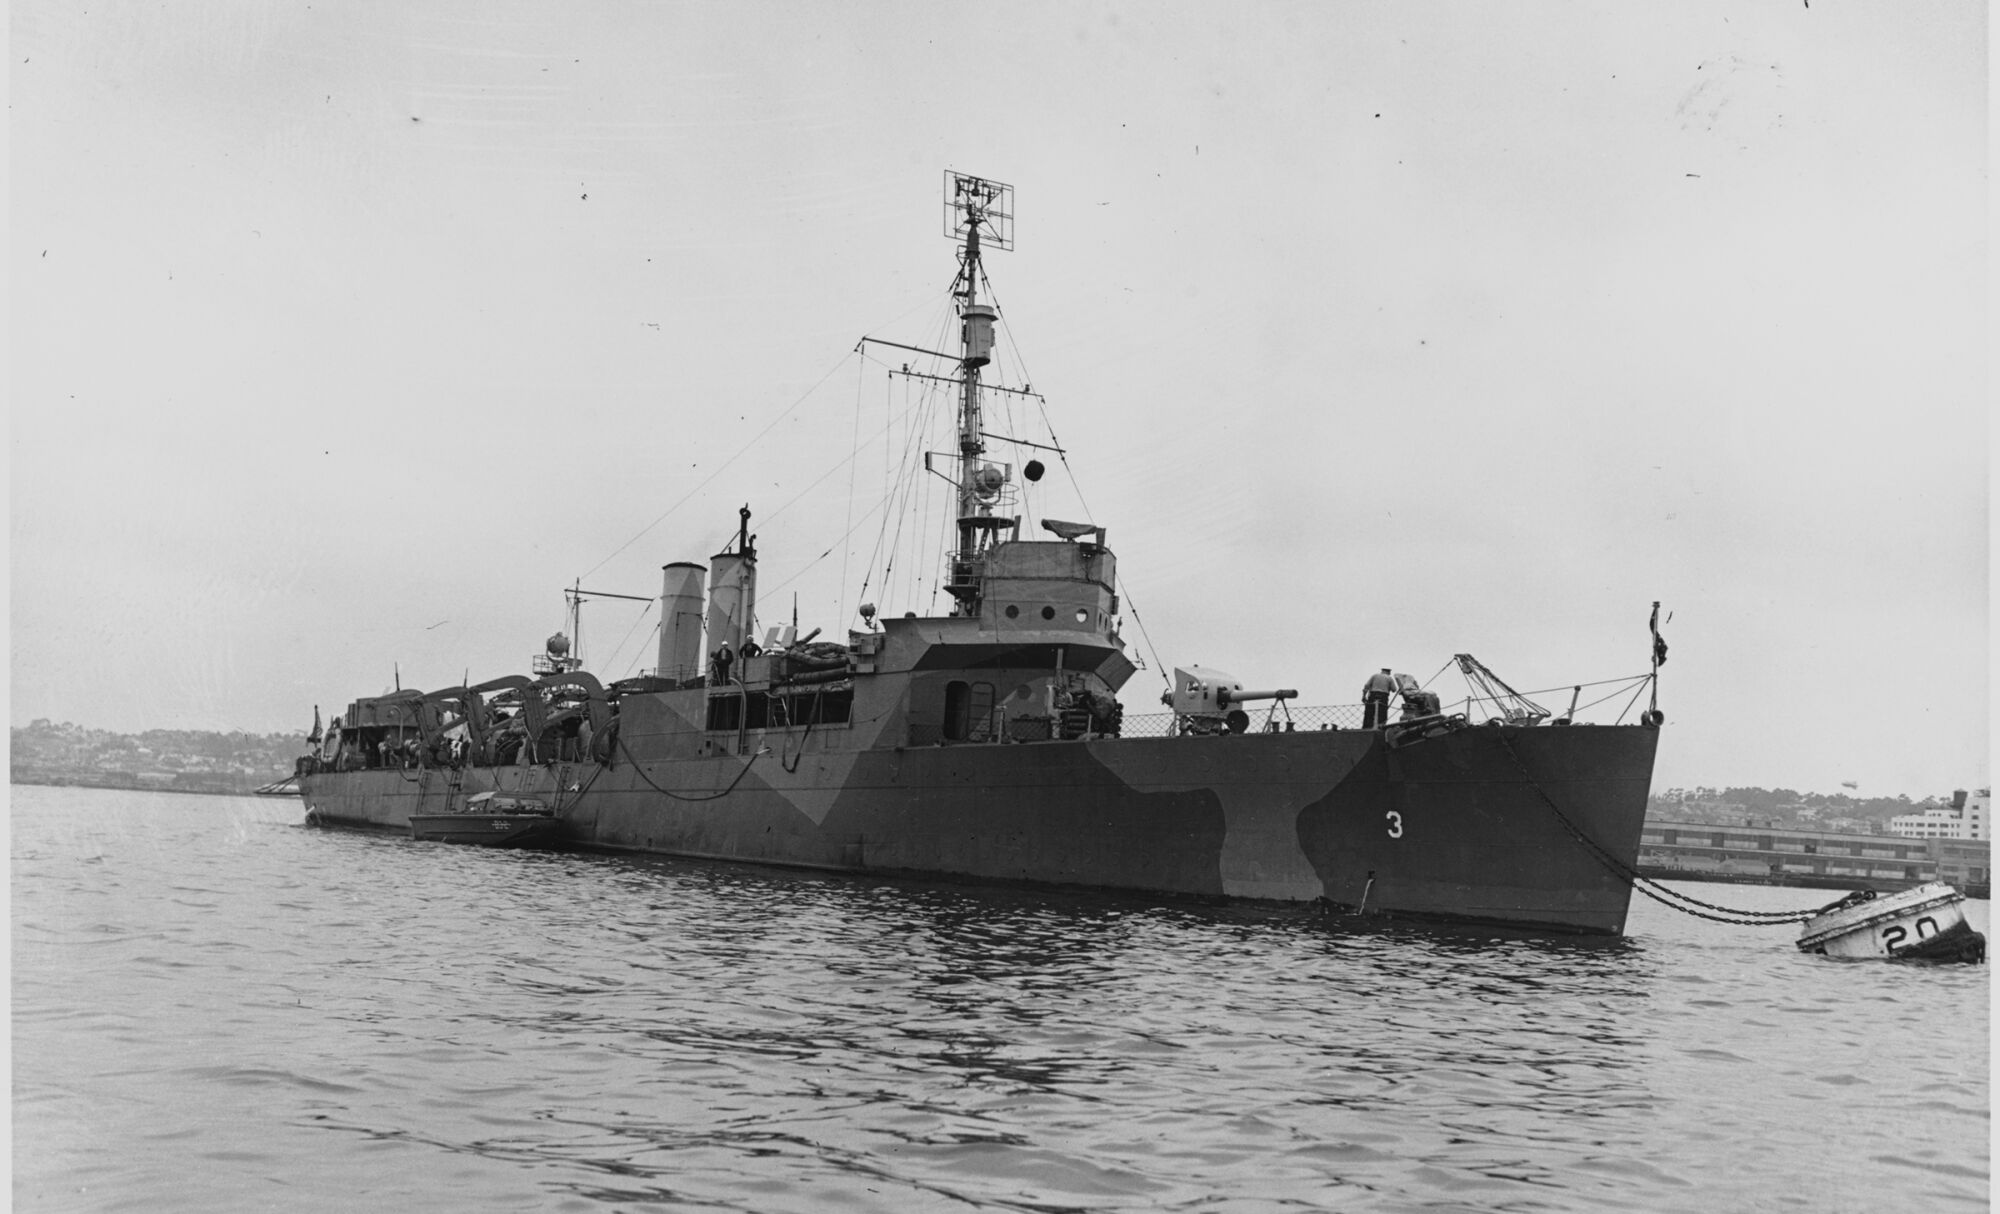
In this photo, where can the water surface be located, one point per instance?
(216, 1008)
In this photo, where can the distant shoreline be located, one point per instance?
(112, 783)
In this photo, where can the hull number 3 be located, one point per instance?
(1395, 824)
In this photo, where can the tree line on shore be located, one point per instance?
(190, 760)
(1786, 807)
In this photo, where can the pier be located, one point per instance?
(1771, 855)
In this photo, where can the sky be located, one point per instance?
(344, 337)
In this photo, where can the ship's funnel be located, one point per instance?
(680, 620)
(732, 599)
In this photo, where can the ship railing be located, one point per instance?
(1305, 719)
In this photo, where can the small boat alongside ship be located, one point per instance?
(491, 819)
(990, 743)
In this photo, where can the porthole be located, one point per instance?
(1048, 613)
(1012, 611)
(1082, 616)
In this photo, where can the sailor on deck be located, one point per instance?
(1375, 698)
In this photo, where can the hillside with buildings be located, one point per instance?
(1783, 838)
(182, 760)
(1839, 813)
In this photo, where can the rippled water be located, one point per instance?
(216, 1008)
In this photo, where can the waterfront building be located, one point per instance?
(1969, 816)
(1770, 855)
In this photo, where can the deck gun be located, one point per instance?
(1202, 699)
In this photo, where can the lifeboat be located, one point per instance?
(490, 820)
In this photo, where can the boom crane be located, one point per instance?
(1511, 705)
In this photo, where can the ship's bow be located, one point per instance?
(1506, 824)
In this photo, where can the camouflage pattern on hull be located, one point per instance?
(1462, 826)
(983, 743)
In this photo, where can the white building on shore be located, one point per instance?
(1969, 816)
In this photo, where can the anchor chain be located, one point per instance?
(1684, 903)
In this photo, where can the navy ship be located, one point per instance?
(990, 744)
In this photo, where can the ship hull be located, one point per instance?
(1503, 824)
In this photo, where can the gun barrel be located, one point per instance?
(1226, 696)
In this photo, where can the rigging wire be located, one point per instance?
(940, 302)
(1006, 328)
(1646, 678)
(1041, 405)
(801, 494)
(905, 490)
(638, 620)
(907, 486)
(939, 556)
(1042, 408)
(1006, 400)
(853, 464)
(917, 491)
(1621, 683)
(899, 479)
(1633, 700)
(888, 483)
(637, 657)
(1609, 696)
(912, 485)
(719, 468)
(1144, 635)
(800, 571)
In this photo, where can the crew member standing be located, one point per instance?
(1375, 698)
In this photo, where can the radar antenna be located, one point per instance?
(975, 201)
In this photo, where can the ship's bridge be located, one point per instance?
(1042, 585)
(1043, 606)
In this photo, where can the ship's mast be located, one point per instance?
(970, 445)
(973, 206)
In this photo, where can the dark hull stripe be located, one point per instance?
(1447, 828)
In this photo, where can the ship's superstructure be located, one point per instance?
(990, 743)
